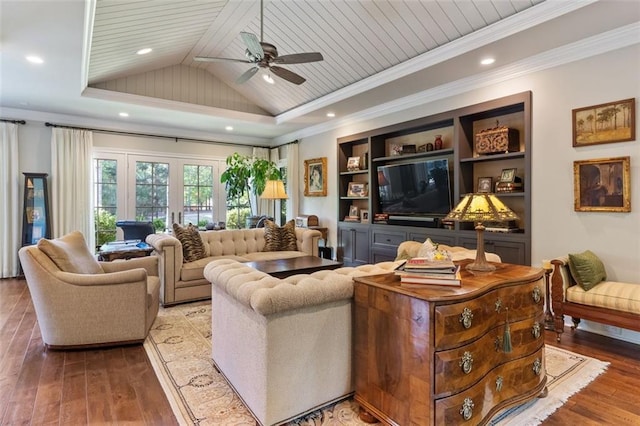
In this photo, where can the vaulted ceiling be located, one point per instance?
(357, 39)
(376, 54)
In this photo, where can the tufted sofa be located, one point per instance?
(182, 282)
(609, 302)
(284, 345)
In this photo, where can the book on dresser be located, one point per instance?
(422, 264)
(410, 277)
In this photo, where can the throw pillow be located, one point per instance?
(70, 253)
(192, 245)
(586, 269)
(280, 238)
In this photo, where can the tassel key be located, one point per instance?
(506, 340)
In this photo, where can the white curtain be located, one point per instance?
(72, 208)
(274, 156)
(10, 206)
(293, 181)
(262, 206)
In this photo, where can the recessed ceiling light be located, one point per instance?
(228, 128)
(35, 59)
(144, 51)
(331, 114)
(487, 61)
(124, 114)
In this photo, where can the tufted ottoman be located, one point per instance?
(284, 345)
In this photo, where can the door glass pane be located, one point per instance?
(198, 194)
(152, 193)
(282, 210)
(105, 200)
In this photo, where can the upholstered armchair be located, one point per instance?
(82, 302)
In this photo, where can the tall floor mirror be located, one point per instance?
(36, 216)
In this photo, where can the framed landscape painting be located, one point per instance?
(602, 185)
(604, 123)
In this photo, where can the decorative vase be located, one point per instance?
(438, 142)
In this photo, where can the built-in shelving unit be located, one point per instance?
(364, 242)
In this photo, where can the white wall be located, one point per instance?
(556, 228)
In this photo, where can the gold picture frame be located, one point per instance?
(357, 189)
(315, 177)
(604, 123)
(602, 185)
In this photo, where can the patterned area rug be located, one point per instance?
(179, 347)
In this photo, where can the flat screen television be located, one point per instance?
(420, 189)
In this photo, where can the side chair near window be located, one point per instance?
(135, 230)
(81, 302)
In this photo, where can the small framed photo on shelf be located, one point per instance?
(353, 212)
(484, 184)
(357, 189)
(364, 216)
(508, 175)
(353, 163)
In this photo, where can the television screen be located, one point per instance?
(420, 188)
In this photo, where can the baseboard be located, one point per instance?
(604, 330)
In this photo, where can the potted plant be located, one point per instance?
(245, 176)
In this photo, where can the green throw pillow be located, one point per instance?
(586, 269)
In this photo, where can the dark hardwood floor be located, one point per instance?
(118, 385)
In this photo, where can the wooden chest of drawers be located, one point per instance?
(440, 356)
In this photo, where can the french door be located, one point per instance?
(160, 189)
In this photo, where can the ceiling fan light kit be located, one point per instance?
(264, 55)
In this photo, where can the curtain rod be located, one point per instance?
(149, 135)
(6, 120)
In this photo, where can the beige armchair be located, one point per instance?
(82, 302)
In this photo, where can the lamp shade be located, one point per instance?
(481, 208)
(274, 190)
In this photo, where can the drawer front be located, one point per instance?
(457, 369)
(509, 384)
(459, 323)
(392, 239)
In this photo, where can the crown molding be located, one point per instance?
(528, 18)
(591, 46)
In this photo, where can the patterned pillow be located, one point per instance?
(586, 269)
(192, 246)
(280, 238)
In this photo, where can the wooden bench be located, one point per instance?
(609, 302)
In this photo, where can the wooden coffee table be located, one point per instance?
(282, 268)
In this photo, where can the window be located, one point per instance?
(105, 199)
(198, 194)
(152, 193)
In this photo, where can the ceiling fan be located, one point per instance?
(265, 55)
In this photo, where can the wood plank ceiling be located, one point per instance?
(357, 39)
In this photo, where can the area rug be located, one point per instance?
(179, 347)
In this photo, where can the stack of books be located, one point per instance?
(419, 271)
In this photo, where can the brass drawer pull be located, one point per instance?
(499, 382)
(465, 317)
(467, 409)
(536, 330)
(536, 294)
(466, 362)
(537, 366)
(498, 305)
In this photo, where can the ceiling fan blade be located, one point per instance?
(288, 75)
(253, 45)
(214, 59)
(247, 75)
(298, 58)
